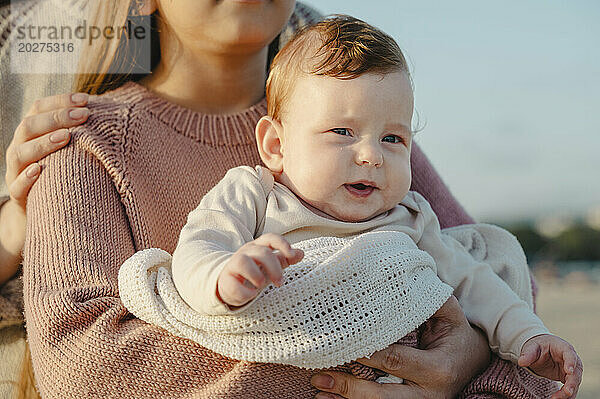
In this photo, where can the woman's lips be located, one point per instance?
(359, 190)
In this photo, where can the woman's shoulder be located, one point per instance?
(110, 114)
(107, 132)
(123, 97)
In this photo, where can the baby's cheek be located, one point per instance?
(404, 175)
(400, 188)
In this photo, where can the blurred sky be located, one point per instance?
(508, 94)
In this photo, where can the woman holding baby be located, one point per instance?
(146, 154)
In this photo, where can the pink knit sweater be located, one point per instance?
(126, 182)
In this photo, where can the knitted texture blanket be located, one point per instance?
(330, 303)
(323, 315)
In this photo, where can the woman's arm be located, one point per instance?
(41, 132)
(11, 290)
(427, 182)
(83, 340)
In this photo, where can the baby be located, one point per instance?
(336, 145)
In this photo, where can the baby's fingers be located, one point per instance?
(247, 269)
(271, 266)
(564, 393)
(277, 242)
(571, 360)
(233, 292)
(574, 373)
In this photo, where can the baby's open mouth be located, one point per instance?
(359, 189)
(360, 186)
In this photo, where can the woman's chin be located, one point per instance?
(253, 21)
(250, 31)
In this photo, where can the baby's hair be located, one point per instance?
(339, 46)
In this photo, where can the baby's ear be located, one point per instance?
(268, 139)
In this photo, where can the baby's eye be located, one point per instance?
(392, 138)
(341, 131)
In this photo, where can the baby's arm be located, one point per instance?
(513, 330)
(486, 299)
(229, 216)
(256, 263)
(552, 357)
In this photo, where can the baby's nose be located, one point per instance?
(368, 155)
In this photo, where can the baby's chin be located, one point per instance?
(357, 213)
(354, 213)
(354, 217)
(340, 216)
(360, 219)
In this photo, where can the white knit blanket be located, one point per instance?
(347, 298)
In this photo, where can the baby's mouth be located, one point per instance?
(360, 189)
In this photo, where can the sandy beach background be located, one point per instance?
(570, 307)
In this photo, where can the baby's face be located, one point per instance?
(346, 144)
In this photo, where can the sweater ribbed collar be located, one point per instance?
(215, 129)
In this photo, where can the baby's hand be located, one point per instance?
(256, 263)
(551, 357)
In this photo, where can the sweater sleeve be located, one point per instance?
(83, 340)
(486, 299)
(228, 216)
(427, 182)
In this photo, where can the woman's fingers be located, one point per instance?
(56, 102)
(572, 366)
(451, 355)
(402, 361)
(19, 157)
(349, 386)
(41, 132)
(344, 385)
(39, 124)
(39, 135)
(565, 392)
(19, 188)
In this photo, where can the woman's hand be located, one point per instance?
(42, 131)
(453, 353)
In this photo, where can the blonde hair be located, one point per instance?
(26, 383)
(340, 46)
